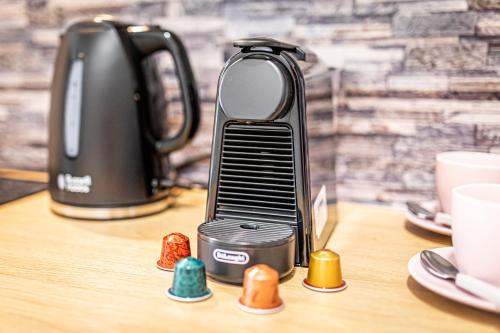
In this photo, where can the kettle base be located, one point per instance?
(109, 213)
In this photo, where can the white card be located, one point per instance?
(320, 208)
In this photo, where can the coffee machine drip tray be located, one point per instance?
(229, 246)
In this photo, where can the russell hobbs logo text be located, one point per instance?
(75, 184)
(231, 257)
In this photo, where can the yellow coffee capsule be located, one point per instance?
(324, 272)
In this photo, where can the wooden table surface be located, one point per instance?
(58, 274)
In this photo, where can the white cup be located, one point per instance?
(476, 230)
(463, 167)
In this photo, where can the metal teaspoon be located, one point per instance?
(423, 213)
(442, 268)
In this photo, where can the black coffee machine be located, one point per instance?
(108, 141)
(271, 196)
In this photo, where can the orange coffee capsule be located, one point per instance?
(260, 290)
(175, 246)
(324, 272)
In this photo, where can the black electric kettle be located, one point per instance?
(108, 143)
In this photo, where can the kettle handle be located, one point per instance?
(156, 39)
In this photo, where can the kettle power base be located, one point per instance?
(110, 213)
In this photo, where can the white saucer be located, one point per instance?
(446, 288)
(428, 224)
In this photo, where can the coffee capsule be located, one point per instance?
(190, 281)
(260, 290)
(324, 272)
(175, 246)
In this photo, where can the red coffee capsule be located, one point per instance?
(175, 247)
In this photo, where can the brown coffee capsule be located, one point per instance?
(175, 247)
(260, 290)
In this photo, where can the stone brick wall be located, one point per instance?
(413, 77)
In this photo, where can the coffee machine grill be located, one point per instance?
(257, 178)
